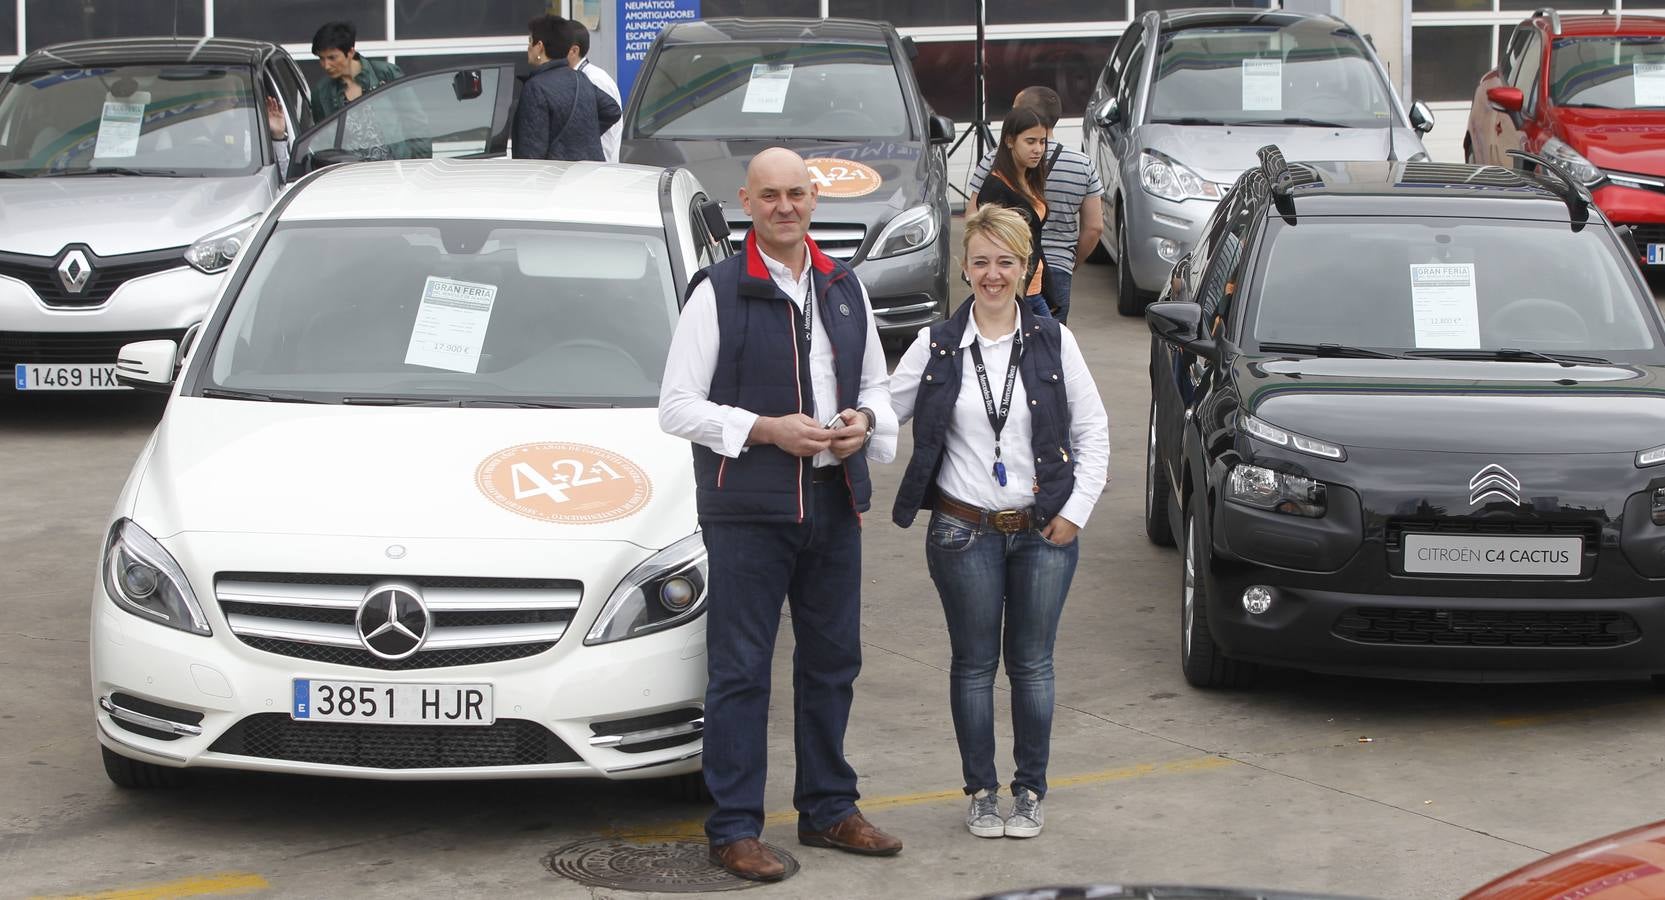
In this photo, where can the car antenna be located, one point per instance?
(1392, 157)
(1571, 191)
(1278, 180)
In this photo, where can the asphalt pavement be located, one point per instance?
(1319, 783)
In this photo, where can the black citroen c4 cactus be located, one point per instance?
(1407, 419)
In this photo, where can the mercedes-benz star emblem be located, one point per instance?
(1493, 481)
(73, 271)
(393, 622)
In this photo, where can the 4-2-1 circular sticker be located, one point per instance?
(843, 177)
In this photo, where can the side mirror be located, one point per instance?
(1108, 113)
(1179, 322)
(712, 212)
(1628, 236)
(188, 342)
(1422, 118)
(319, 159)
(467, 85)
(1505, 99)
(942, 129)
(147, 365)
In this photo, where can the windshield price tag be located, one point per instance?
(119, 126)
(1444, 306)
(1262, 84)
(451, 325)
(1649, 84)
(766, 92)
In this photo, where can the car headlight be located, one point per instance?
(663, 592)
(1650, 457)
(215, 253)
(144, 579)
(1272, 434)
(1580, 168)
(1162, 177)
(1263, 488)
(908, 231)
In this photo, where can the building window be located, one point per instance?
(411, 65)
(56, 21)
(475, 18)
(8, 32)
(1025, 12)
(1141, 7)
(293, 21)
(912, 14)
(1447, 62)
(1070, 66)
(712, 9)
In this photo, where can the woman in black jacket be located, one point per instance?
(1017, 181)
(561, 115)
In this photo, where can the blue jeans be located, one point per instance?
(1037, 305)
(1055, 284)
(816, 566)
(984, 576)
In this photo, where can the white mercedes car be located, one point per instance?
(409, 513)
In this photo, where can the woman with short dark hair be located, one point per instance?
(561, 114)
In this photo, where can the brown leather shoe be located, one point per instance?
(747, 858)
(853, 834)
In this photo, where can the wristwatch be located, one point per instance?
(871, 421)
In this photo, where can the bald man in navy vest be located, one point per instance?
(777, 377)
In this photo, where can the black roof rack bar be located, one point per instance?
(1278, 180)
(1571, 190)
(1554, 18)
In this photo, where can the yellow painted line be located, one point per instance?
(693, 828)
(1583, 712)
(223, 883)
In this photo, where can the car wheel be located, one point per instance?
(688, 788)
(1157, 528)
(1202, 661)
(1129, 302)
(133, 774)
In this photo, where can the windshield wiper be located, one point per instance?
(1328, 350)
(10, 173)
(397, 401)
(228, 394)
(1587, 105)
(1292, 120)
(120, 170)
(1515, 353)
(495, 403)
(1189, 120)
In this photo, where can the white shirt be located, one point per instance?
(685, 411)
(967, 472)
(609, 138)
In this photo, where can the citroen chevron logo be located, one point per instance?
(73, 271)
(392, 621)
(1493, 481)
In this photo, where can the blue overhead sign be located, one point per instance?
(640, 21)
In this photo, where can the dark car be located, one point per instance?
(841, 93)
(1406, 421)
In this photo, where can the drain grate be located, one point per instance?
(669, 865)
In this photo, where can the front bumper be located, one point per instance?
(1152, 220)
(909, 291)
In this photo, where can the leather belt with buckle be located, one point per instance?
(1005, 521)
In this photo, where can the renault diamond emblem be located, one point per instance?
(1493, 481)
(393, 622)
(73, 271)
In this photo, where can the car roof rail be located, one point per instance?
(1554, 18)
(1571, 191)
(1279, 181)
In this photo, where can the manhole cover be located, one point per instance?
(669, 865)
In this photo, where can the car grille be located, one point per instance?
(507, 742)
(40, 273)
(475, 620)
(840, 241)
(1588, 530)
(1648, 234)
(1487, 628)
(73, 346)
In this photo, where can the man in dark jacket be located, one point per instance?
(561, 114)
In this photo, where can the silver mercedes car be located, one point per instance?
(1186, 99)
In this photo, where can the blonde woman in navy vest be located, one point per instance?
(1011, 451)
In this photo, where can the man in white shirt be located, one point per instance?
(777, 377)
(578, 57)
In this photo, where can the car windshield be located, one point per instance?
(1266, 74)
(452, 311)
(156, 119)
(1405, 284)
(773, 91)
(1610, 72)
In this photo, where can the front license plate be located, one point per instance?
(80, 377)
(1656, 254)
(1469, 554)
(318, 700)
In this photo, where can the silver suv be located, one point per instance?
(1187, 98)
(133, 170)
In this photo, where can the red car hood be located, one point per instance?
(1629, 865)
(1625, 140)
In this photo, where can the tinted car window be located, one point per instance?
(1263, 73)
(1467, 283)
(583, 311)
(1616, 72)
(770, 90)
(185, 119)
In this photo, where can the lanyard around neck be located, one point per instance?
(998, 414)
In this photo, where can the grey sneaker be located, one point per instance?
(982, 818)
(1026, 818)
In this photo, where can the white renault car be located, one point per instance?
(409, 513)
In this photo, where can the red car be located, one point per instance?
(1589, 92)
